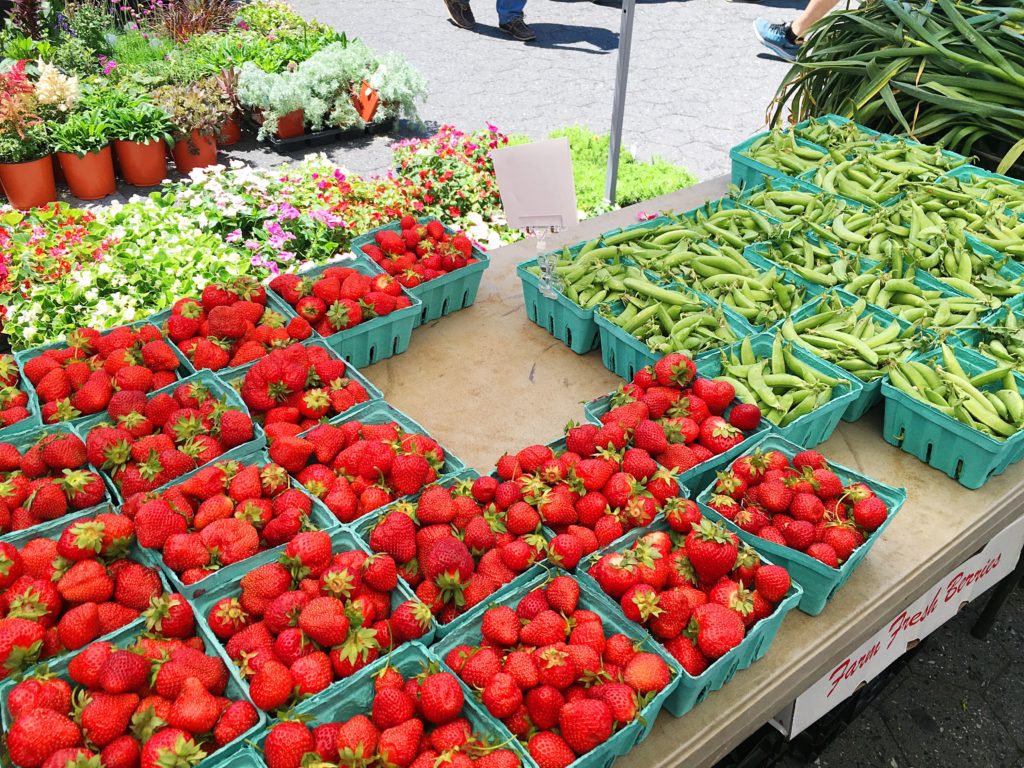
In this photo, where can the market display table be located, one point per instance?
(486, 380)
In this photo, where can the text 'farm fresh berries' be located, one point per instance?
(356, 467)
(75, 587)
(549, 670)
(13, 393)
(418, 252)
(681, 419)
(220, 515)
(47, 480)
(696, 588)
(156, 701)
(801, 504)
(230, 325)
(340, 297)
(454, 545)
(320, 613)
(79, 379)
(413, 720)
(146, 441)
(296, 388)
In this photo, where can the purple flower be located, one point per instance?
(286, 256)
(288, 212)
(252, 245)
(233, 237)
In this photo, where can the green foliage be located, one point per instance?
(141, 122)
(271, 17)
(19, 47)
(74, 56)
(91, 23)
(199, 106)
(275, 95)
(15, 149)
(638, 180)
(134, 50)
(83, 132)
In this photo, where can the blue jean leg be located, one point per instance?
(510, 9)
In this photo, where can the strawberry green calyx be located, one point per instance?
(188, 427)
(66, 411)
(361, 641)
(339, 583)
(273, 476)
(22, 656)
(184, 754)
(622, 396)
(29, 604)
(646, 604)
(88, 534)
(710, 531)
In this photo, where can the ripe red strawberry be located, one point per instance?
(718, 629)
(237, 718)
(286, 745)
(675, 370)
(870, 513)
(811, 459)
(712, 550)
(36, 735)
(501, 695)
(441, 698)
(123, 672)
(745, 416)
(549, 750)
(398, 746)
(501, 626)
(585, 724)
(716, 393)
(772, 582)
(272, 685)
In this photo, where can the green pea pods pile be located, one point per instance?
(782, 386)
(844, 137)
(989, 402)
(593, 275)
(1002, 231)
(814, 261)
(781, 150)
(736, 227)
(670, 320)
(863, 344)
(795, 205)
(1002, 339)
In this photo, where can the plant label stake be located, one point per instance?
(538, 194)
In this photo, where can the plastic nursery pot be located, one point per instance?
(197, 151)
(291, 125)
(29, 184)
(90, 176)
(366, 100)
(230, 132)
(142, 163)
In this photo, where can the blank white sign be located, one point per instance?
(536, 184)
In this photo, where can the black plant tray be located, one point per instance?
(321, 138)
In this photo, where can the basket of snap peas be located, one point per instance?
(791, 200)
(993, 188)
(999, 335)
(652, 320)
(958, 411)
(857, 337)
(817, 263)
(773, 153)
(835, 132)
(801, 395)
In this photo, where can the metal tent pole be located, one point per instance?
(619, 99)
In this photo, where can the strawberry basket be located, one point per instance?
(124, 637)
(365, 526)
(943, 442)
(691, 689)
(24, 441)
(218, 389)
(376, 339)
(33, 420)
(228, 585)
(443, 295)
(468, 631)
(818, 580)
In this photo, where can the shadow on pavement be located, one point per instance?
(563, 37)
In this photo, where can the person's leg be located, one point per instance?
(510, 20)
(815, 10)
(784, 39)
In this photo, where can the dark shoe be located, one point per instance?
(461, 13)
(518, 29)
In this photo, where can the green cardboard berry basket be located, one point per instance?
(443, 295)
(319, 518)
(34, 420)
(124, 637)
(372, 340)
(246, 757)
(973, 337)
(184, 368)
(966, 174)
(469, 632)
(871, 392)
(819, 581)
(696, 477)
(965, 454)
(568, 322)
(691, 690)
(811, 428)
(233, 377)
(229, 585)
(218, 389)
(25, 440)
(748, 172)
(340, 703)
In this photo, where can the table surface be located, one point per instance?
(486, 381)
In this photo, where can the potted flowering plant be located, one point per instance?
(82, 143)
(231, 130)
(26, 167)
(197, 111)
(141, 132)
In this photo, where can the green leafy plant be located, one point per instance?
(21, 48)
(142, 122)
(73, 55)
(90, 22)
(31, 146)
(199, 106)
(274, 95)
(82, 133)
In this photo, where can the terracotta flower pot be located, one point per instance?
(90, 177)
(366, 100)
(230, 132)
(143, 164)
(197, 151)
(291, 125)
(29, 184)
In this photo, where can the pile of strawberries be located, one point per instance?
(800, 504)
(146, 442)
(697, 589)
(220, 515)
(80, 379)
(49, 480)
(312, 617)
(293, 389)
(340, 297)
(13, 397)
(548, 670)
(160, 701)
(678, 417)
(356, 467)
(59, 595)
(414, 722)
(455, 546)
(231, 325)
(419, 253)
